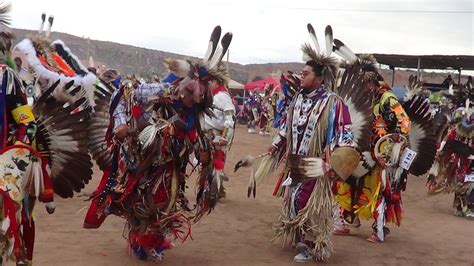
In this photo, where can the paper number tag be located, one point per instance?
(287, 182)
(408, 157)
(469, 178)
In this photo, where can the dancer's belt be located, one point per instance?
(343, 161)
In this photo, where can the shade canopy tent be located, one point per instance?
(260, 84)
(455, 62)
(235, 85)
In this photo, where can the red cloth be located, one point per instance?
(260, 84)
(93, 219)
(148, 240)
(137, 111)
(13, 231)
(28, 235)
(219, 89)
(48, 194)
(20, 134)
(263, 122)
(304, 193)
(219, 160)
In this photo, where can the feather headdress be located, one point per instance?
(191, 72)
(51, 62)
(414, 88)
(353, 87)
(328, 63)
(210, 66)
(6, 34)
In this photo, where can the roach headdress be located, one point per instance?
(210, 66)
(328, 63)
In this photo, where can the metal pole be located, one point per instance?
(459, 77)
(418, 70)
(393, 75)
(88, 47)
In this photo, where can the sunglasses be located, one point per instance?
(305, 73)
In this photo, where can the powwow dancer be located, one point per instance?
(36, 144)
(19, 161)
(220, 126)
(455, 156)
(152, 133)
(453, 151)
(289, 83)
(267, 112)
(252, 106)
(318, 135)
(317, 138)
(374, 191)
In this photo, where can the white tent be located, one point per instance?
(235, 85)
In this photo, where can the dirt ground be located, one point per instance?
(238, 232)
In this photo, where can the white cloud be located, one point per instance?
(264, 31)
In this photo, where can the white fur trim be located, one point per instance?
(60, 42)
(27, 53)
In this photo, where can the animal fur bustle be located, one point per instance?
(179, 67)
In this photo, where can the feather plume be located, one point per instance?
(50, 25)
(312, 33)
(247, 161)
(217, 57)
(43, 19)
(252, 186)
(314, 167)
(308, 52)
(329, 39)
(306, 167)
(213, 42)
(6, 34)
(99, 123)
(147, 136)
(346, 53)
(353, 90)
(414, 88)
(368, 63)
(338, 52)
(63, 136)
(421, 135)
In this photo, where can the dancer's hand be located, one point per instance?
(121, 131)
(272, 149)
(223, 142)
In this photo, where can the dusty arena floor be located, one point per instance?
(238, 231)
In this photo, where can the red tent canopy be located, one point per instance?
(260, 84)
